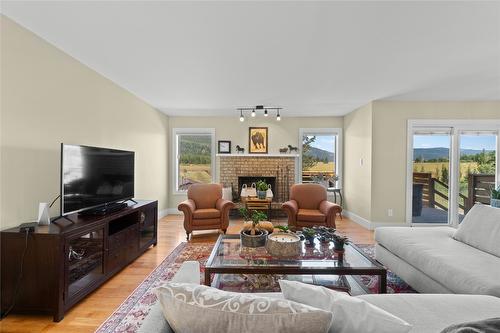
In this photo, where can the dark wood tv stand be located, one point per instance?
(65, 262)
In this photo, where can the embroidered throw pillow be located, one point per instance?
(192, 308)
(350, 314)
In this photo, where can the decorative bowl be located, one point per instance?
(248, 240)
(281, 244)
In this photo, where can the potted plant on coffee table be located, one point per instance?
(255, 236)
(309, 234)
(338, 244)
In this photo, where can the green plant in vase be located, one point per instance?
(261, 187)
(245, 214)
(339, 241)
(255, 236)
(309, 235)
(256, 217)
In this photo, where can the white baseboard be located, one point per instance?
(370, 225)
(168, 211)
(358, 219)
(162, 213)
(173, 211)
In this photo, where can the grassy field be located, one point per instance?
(197, 172)
(322, 167)
(434, 167)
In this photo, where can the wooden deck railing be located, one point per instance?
(479, 188)
(307, 176)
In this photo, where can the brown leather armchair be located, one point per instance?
(308, 207)
(205, 209)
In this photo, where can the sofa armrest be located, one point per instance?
(155, 321)
(187, 206)
(330, 210)
(189, 272)
(291, 207)
(223, 205)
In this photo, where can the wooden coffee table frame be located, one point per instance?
(379, 270)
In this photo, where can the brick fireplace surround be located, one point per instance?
(281, 167)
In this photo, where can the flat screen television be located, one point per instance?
(93, 177)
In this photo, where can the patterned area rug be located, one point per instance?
(131, 313)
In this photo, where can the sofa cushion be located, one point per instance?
(432, 250)
(310, 215)
(350, 314)
(196, 308)
(481, 229)
(206, 213)
(433, 312)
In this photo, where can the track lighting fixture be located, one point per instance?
(253, 111)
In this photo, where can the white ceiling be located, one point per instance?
(312, 58)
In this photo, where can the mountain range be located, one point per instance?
(321, 154)
(441, 152)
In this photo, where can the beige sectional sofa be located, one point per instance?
(444, 259)
(426, 313)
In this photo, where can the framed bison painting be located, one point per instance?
(257, 140)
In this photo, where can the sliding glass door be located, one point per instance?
(431, 176)
(477, 170)
(450, 169)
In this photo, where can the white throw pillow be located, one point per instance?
(481, 229)
(350, 314)
(193, 308)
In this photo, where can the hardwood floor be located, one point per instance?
(94, 309)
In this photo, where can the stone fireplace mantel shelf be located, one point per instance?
(258, 155)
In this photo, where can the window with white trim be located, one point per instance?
(320, 156)
(194, 157)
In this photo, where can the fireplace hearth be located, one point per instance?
(279, 171)
(248, 180)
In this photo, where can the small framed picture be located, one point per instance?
(257, 140)
(224, 147)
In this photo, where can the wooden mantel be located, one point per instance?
(258, 155)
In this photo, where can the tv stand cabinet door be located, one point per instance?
(148, 226)
(84, 264)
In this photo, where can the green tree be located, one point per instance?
(308, 161)
(444, 175)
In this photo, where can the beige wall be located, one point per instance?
(281, 133)
(47, 98)
(358, 161)
(390, 121)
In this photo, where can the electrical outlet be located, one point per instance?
(390, 212)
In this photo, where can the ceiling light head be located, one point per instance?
(241, 116)
(253, 113)
(265, 113)
(278, 117)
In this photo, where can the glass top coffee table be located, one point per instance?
(229, 257)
